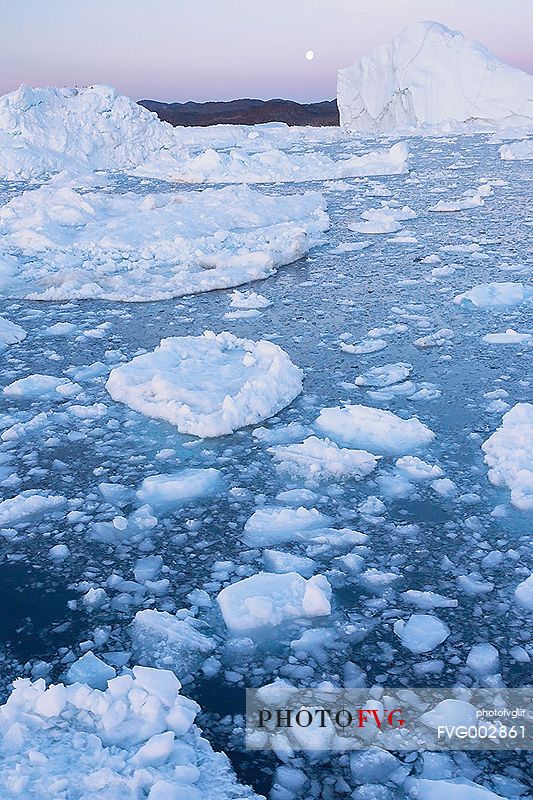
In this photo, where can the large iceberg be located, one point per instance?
(208, 385)
(432, 77)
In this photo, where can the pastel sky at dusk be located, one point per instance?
(223, 49)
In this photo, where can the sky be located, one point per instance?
(178, 50)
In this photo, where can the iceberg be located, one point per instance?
(430, 77)
(509, 455)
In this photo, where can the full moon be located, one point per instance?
(309, 55)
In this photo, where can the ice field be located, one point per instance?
(336, 484)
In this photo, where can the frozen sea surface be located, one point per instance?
(456, 535)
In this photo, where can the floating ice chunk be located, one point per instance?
(509, 455)
(386, 375)
(268, 600)
(373, 429)
(428, 599)
(278, 561)
(366, 346)
(495, 295)
(320, 458)
(208, 385)
(159, 638)
(444, 486)
(450, 712)
(524, 593)
(425, 789)
(59, 552)
(10, 333)
(179, 487)
(517, 151)
(60, 329)
(248, 300)
(45, 387)
(509, 337)
(272, 525)
(473, 584)
(281, 434)
(147, 568)
(91, 670)
(483, 659)
(431, 77)
(437, 339)
(418, 470)
(372, 765)
(350, 247)
(472, 198)
(421, 633)
(382, 220)
(29, 504)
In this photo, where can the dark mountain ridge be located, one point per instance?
(245, 112)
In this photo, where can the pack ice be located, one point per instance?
(76, 741)
(208, 385)
(430, 77)
(61, 243)
(509, 455)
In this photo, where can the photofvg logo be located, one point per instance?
(281, 717)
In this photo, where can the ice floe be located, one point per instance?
(273, 525)
(10, 333)
(69, 244)
(320, 458)
(509, 455)
(495, 295)
(208, 385)
(270, 599)
(373, 429)
(421, 633)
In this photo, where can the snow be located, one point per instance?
(517, 151)
(373, 429)
(208, 385)
(47, 130)
(10, 333)
(72, 244)
(272, 525)
(509, 455)
(179, 487)
(495, 295)
(421, 633)
(321, 458)
(139, 725)
(163, 640)
(431, 78)
(269, 599)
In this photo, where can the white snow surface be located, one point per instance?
(61, 243)
(431, 78)
(270, 599)
(208, 385)
(47, 130)
(509, 455)
(76, 741)
(373, 429)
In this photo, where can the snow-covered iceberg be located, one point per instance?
(208, 385)
(61, 243)
(76, 741)
(431, 77)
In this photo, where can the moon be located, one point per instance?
(309, 55)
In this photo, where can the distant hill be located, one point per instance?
(245, 112)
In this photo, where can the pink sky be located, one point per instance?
(223, 49)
